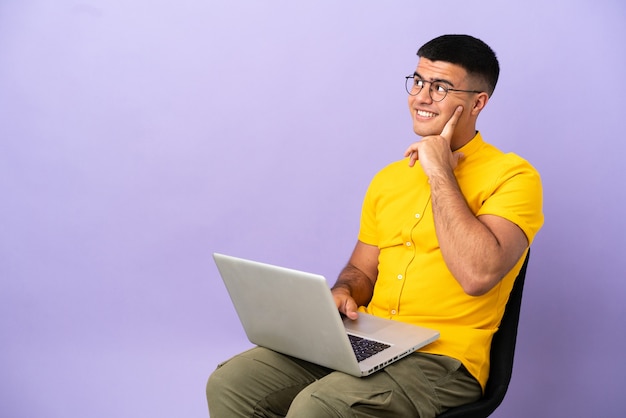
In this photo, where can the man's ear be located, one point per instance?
(479, 103)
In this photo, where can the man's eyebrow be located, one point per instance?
(440, 80)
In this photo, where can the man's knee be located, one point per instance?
(231, 376)
(219, 391)
(216, 384)
(226, 389)
(258, 380)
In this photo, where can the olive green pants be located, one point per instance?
(262, 383)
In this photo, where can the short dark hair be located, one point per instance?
(475, 56)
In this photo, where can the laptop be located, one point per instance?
(293, 312)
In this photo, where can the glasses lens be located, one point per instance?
(438, 91)
(411, 87)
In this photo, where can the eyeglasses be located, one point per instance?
(438, 89)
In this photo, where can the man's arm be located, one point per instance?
(479, 251)
(355, 284)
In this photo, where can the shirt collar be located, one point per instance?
(472, 146)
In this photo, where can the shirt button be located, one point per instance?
(393, 312)
(417, 215)
(399, 277)
(408, 243)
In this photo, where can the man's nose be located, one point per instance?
(424, 94)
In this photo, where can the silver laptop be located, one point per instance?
(293, 312)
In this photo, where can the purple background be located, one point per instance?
(138, 137)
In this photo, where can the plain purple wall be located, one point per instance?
(138, 137)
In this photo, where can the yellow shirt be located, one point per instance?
(414, 285)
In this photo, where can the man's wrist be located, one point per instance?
(342, 287)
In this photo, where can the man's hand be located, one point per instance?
(434, 151)
(345, 303)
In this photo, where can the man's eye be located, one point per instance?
(419, 82)
(439, 88)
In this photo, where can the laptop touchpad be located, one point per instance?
(366, 324)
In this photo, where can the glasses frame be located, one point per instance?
(430, 90)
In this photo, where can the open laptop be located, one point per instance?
(293, 312)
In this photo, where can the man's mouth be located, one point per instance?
(425, 114)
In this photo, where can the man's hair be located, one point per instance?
(475, 56)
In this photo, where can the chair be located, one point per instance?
(502, 352)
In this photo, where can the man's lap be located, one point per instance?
(260, 382)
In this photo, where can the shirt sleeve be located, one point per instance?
(518, 197)
(367, 229)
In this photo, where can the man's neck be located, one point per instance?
(461, 139)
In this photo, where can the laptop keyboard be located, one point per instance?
(364, 348)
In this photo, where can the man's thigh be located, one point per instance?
(420, 385)
(258, 382)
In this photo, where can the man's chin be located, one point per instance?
(426, 127)
(423, 131)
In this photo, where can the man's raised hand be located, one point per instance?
(434, 151)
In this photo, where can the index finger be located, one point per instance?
(448, 129)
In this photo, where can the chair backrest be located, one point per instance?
(502, 353)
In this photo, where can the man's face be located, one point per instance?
(429, 116)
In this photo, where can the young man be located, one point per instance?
(443, 235)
